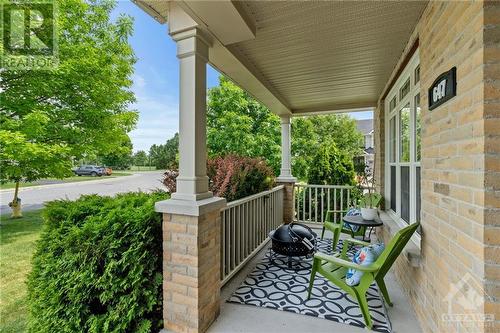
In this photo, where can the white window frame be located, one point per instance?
(408, 72)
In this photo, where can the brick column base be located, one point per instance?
(288, 211)
(191, 264)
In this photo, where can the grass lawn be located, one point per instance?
(71, 179)
(17, 243)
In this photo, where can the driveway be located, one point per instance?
(34, 197)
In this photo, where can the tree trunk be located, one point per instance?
(16, 204)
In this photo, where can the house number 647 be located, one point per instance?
(439, 91)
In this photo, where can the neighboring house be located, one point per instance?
(365, 126)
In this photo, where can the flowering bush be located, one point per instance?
(232, 177)
(169, 178)
(235, 177)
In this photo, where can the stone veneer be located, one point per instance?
(288, 210)
(491, 200)
(460, 166)
(191, 271)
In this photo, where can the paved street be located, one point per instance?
(34, 197)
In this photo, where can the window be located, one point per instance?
(405, 89)
(403, 144)
(417, 154)
(392, 140)
(404, 134)
(393, 188)
(405, 193)
(393, 103)
(417, 128)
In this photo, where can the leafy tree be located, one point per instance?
(309, 133)
(238, 124)
(80, 107)
(172, 151)
(140, 158)
(121, 158)
(157, 153)
(165, 156)
(331, 166)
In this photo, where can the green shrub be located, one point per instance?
(232, 177)
(97, 266)
(331, 166)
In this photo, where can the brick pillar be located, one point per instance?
(288, 211)
(191, 264)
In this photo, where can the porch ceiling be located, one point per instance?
(310, 56)
(328, 54)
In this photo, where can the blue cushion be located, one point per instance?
(363, 257)
(352, 212)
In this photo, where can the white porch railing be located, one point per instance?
(245, 225)
(311, 202)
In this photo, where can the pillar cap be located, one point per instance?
(190, 207)
(285, 119)
(286, 179)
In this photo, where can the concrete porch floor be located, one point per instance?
(246, 318)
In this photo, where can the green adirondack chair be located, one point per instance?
(334, 268)
(333, 225)
(333, 222)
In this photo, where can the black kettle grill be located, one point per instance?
(293, 240)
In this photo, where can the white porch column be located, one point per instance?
(192, 51)
(285, 178)
(191, 218)
(286, 143)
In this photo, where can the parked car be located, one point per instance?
(107, 171)
(89, 170)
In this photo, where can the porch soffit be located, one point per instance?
(314, 56)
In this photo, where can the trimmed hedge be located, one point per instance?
(98, 266)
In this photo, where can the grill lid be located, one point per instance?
(300, 231)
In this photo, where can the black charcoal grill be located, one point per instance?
(293, 240)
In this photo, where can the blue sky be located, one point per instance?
(156, 80)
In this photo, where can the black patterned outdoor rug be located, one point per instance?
(273, 285)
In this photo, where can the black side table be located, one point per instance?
(359, 221)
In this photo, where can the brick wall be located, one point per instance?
(460, 167)
(288, 210)
(492, 158)
(191, 278)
